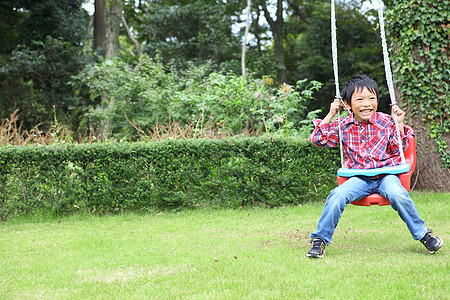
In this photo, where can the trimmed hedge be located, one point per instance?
(171, 174)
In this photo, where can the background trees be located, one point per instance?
(189, 31)
(42, 49)
(155, 59)
(289, 41)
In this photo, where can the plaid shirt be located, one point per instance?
(367, 145)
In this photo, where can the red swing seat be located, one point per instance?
(405, 178)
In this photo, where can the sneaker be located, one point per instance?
(431, 242)
(318, 248)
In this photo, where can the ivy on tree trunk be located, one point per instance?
(419, 31)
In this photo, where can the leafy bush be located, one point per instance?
(172, 174)
(151, 92)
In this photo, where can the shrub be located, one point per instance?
(171, 174)
(151, 92)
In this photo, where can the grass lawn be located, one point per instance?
(253, 253)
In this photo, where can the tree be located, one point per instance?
(277, 27)
(419, 31)
(108, 18)
(308, 47)
(114, 21)
(42, 51)
(189, 31)
(99, 24)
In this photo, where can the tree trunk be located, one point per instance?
(112, 40)
(99, 24)
(244, 43)
(112, 49)
(276, 26)
(257, 32)
(430, 172)
(421, 64)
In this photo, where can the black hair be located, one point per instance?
(359, 82)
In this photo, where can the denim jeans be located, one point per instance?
(356, 188)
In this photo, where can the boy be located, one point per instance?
(369, 141)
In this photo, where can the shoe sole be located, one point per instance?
(314, 255)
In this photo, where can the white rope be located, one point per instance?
(387, 69)
(379, 4)
(334, 49)
(336, 73)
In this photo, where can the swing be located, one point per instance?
(405, 178)
(405, 170)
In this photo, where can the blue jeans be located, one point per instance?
(356, 188)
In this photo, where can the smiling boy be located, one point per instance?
(369, 141)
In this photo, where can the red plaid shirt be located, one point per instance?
(368, 145)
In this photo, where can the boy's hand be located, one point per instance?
(335, 106)
(400, 116)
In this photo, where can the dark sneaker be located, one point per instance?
(431, 242)
(317, 248)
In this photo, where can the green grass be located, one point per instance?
(253, 253)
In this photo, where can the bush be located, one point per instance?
(171, 174)
(150, 92)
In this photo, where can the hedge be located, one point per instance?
(171, 174)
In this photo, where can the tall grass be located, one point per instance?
(203, 127)
(253, 253)
(12, 133)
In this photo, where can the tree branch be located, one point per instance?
(130, 35)
(267, 15)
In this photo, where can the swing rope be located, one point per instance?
(336, 73)
(388, 72)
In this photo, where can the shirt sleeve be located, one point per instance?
(325, 135)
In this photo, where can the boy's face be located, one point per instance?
(364, 104)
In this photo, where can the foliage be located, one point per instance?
(239, 103)
(110, 177)
(142, 94)
(150, 92)
(209, 38)
(205, 34)
(25, 21)
(60, 19)
(37, 78)
(308, 48)
(420, 31)
(10, 23)
(41, 47)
